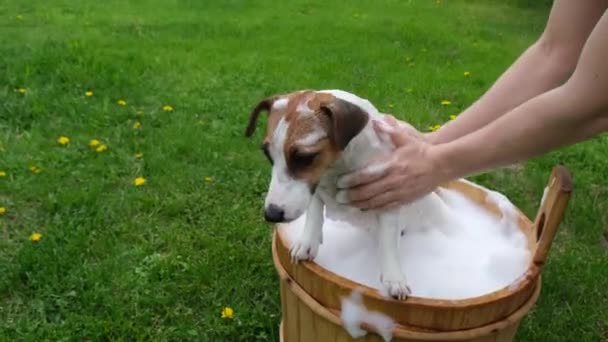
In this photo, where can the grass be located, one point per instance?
(160, 261)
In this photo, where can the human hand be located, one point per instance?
(410, 172)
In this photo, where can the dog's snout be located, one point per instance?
(274, 214)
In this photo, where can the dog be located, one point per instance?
(313, 137)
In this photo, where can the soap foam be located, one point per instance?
(487, 253)
(354, 313)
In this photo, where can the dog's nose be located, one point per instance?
(274, 214)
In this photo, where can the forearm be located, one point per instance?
(532, 74)
(545, 123)
(568, 114)
(543, 66)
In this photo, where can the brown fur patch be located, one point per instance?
(300, 126)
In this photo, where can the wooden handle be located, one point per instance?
(551, 212)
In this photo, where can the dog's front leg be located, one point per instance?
(306, 246)
(391, 277)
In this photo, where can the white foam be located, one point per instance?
(353, 313)
(487, 254)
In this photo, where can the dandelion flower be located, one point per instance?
(434, 128)
(2, 210)
(2, 173)
(139, 155)
(88, 93)
(136, 124)
(35, 237)
(35, 169)
(208, 179)
(94, 143)
(22, 91)
(446, 103)
(167, 108)
(140, 112)
(122, 102)
(453, 116)
(139, 181)
(101, 148)
(467, 73)
(227, 313)
(62, 140)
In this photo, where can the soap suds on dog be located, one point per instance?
(487, 254)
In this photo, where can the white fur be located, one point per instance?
(312, 137)
(304, 109)
(291, 195)
(429, 211)
(280, 103)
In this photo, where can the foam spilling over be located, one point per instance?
(354, 313)
(485, 254)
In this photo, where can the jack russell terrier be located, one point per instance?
(313, 137)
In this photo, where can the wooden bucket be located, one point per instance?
(311, 295)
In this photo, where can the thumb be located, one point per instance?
(398, 135)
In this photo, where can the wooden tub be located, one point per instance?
(311, 295)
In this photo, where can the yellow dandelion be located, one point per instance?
(227, 313)
(139, 155)
(63, 140)
(2, 173)
(35, 237)
(467, 73)
(136, 124)
(19, 17)
(94, 143)
(88, 93)
(140, 112)
(208, 179)
(139, 181)
(167, 108)
(446, 103)
(101, 148)
(452, 117)
(35, 169)
(122, 102)
(22, 91)
(2, 210)
(434, 128)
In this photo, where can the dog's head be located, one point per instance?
(305, 135)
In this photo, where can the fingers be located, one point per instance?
(366, 175)
(390, 120)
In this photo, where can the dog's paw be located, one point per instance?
(395, 286)
(304, 249)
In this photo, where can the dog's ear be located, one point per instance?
(346, 120)
(263, 105)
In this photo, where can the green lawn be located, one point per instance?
(159, 261)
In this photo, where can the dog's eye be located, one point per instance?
(302, 160)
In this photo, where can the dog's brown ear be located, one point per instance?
(263, 105)
(347, 120)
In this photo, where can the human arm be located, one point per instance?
(572, 112)
(565, 115)
(546, 64)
